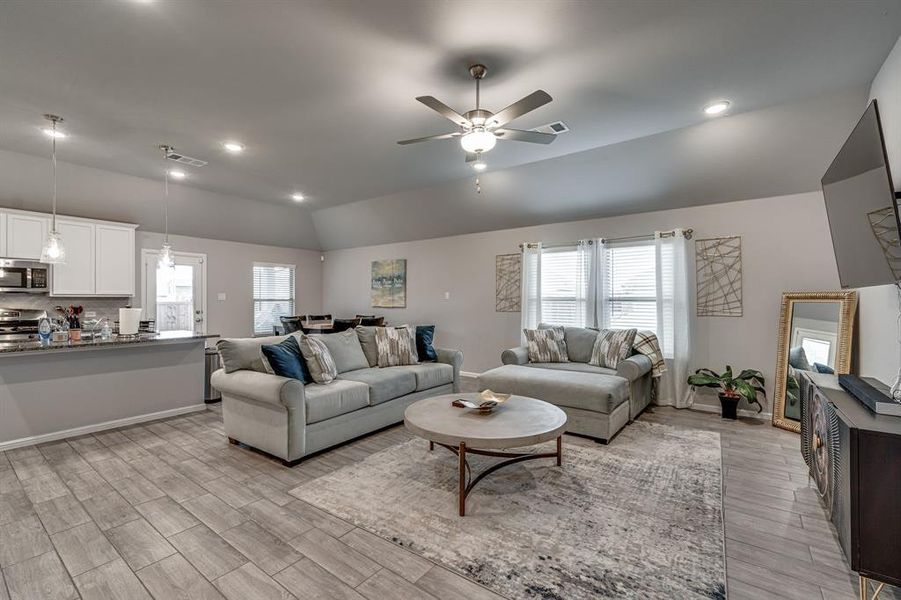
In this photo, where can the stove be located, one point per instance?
(20, 324)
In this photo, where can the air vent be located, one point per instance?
(555, 128)
(186, 160)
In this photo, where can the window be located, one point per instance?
(273, 296)
(560, 278)
(630, 286)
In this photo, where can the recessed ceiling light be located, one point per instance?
(479, 165)
(297, 197)
(233, 147)
(718, 107)
(56, 133)
(176, 174)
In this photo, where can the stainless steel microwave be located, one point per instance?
(24, 277)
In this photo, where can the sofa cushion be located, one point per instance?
(319, 359)
(285, 360)
(366, 335)
(325, 401)
(574, 366)
(546, 345)
(579, 342)
(384, 384)
(430, 375)
(396, 346)
(244, 353)
(345, 350)
(612, 346)
(595, 392)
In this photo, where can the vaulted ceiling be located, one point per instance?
(320, 91)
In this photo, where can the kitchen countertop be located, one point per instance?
(168, 337)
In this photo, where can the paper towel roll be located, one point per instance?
(129, 321)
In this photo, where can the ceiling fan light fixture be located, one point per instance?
(480, 165)
(478, 140)
(717, 108)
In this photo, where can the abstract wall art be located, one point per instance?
(508, 278)
(389, 283)
(719, 277)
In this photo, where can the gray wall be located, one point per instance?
(880, 356)
(99, 194)
(785, 246)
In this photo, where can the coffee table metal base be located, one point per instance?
(467, 482)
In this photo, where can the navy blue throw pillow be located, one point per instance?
(821, 368)
(286, 360)
(424, 336)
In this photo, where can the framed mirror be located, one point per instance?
(815, 332)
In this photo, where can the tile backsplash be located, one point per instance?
(104, 307)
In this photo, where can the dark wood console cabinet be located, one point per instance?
(854, 457)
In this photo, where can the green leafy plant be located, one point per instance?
(749, 384)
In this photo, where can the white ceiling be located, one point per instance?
(320, 91)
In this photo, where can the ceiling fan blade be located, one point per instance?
(519, 108)
(471, 157)
(444, 110)
(440, 136)
(521, 135)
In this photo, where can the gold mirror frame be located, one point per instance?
(847, 307)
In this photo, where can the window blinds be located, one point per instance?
(630, 286)
(273, 296)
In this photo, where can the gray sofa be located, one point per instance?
(290, 420)
(598, 401)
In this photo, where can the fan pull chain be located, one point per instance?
(478, 186)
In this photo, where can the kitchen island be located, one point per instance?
(61, 389)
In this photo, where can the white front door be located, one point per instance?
(175, 298)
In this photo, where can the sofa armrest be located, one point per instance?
(453, 358)
(516, 356)
(260, 387)
(634, 367)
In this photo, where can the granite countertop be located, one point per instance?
(167, 337)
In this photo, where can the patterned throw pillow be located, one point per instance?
(396, 346)
(319, 359)
(612, 346)
(546, 345)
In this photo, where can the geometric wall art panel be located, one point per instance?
(508, 281)
(718, 263)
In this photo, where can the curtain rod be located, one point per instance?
(686, 232)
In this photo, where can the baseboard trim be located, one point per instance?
(469, 374)
(66, 433)
(752, 414)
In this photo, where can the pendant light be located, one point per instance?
(166, 260)
(53, 251)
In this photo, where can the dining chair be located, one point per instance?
(319, 318)
(291, 324)
(339, 325)
(372, 321)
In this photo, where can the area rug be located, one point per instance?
(639, 518)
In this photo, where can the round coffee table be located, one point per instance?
(518, 422)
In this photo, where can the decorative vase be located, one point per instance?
(730, 406)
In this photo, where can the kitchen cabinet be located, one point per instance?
(2, 234)
(115, 263)
(76, 277)
(25, 235)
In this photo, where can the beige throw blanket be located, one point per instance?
(646, 343)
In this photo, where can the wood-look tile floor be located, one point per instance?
(170, 510)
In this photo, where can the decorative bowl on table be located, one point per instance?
(486, 402)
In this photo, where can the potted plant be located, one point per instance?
(749, 384)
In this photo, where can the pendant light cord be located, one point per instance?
(53, 162)
(165, 150)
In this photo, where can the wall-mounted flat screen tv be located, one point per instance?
(862, 207)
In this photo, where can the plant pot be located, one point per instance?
(730, 406)
(75, 335)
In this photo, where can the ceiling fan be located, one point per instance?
(480, 128)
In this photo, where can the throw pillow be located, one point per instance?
(366, 335)
(546, 345)
(425, 334)
(319, 360)
(612, 346)
(286, 360)
(825, 369)
(396, 346)
(345, 350)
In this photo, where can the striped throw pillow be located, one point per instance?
(546, 345)
(319, 359)
(611, 347)
(396, 346)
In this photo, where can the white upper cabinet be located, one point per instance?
(115, 247)
(100, 255)
(25, 235)
(76, 276)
